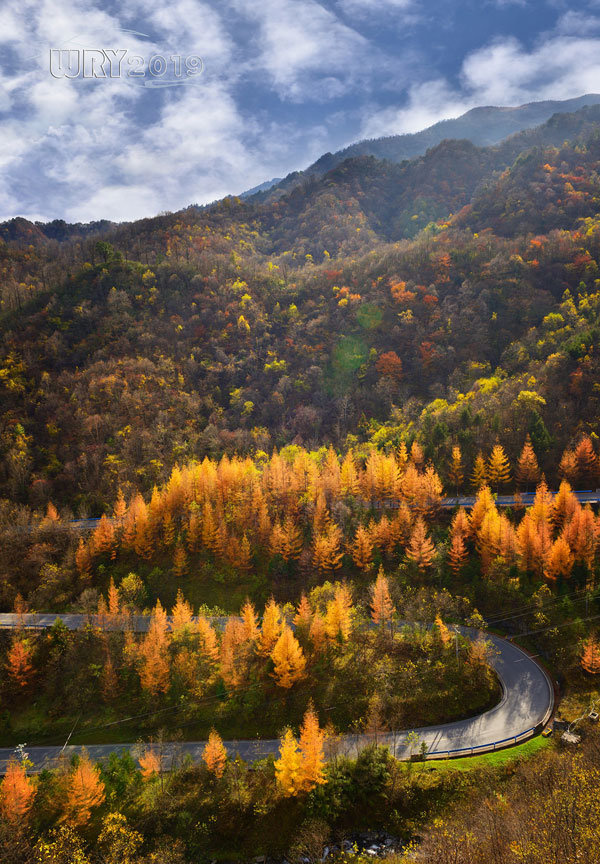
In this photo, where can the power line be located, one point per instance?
(548, 606)
(525, 606)
(555, 627)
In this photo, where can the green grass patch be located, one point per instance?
(495, 759)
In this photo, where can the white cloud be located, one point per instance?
(577, 24)
(305, 50)
(361, 8)
(85, 150)
(501, 73)
(427, 103)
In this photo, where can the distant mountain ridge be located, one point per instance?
(483, 126)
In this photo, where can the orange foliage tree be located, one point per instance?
(214, 754)
(590, 656)
(154, 657)
(420, 549)
(85, 790)
(16, 794)
(18, 662)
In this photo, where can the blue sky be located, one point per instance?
(283, 81)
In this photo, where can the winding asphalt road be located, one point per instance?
(526, 705)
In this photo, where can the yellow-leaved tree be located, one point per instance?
(215, 754)
(382, 607)
(287, 767)
(288, 659)
(312, 738)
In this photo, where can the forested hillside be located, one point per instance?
(481, 126)
(356, 309)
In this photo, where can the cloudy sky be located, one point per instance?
(282, 82)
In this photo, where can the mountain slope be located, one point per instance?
(482, 126)
(248, 325)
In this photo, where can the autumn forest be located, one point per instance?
(279, 458)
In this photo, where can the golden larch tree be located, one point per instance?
(417, 457)
(168, 530)
(270, 629)
(526, 544)
(181, 616)
(16, 794)
(487, 539)
(292, 546)
(234, 654)
(443, 631)
(52, 513)
(277, 539)
(288, 660)
(560, 560)
(120, 508)
(194, 532)
(543, 505)
(312, 738)
(581, 532)
(154, 672)
(207, 637)
(327, 554)
(568, 466)
(528, 470)
(85, 790)
(103, 538)
(83, 559)
(250, 621)
(214, 754)
(288, 767)
(460, 523)
(150, 763)
(498, 469)
(484, 503)
(349, 478)
(420, 549)
(456, 473)
(564, 505)
(303, 616)
(317, 632)
(338, 618)
(382, 607)
(587, 462)
(180, 562)
(114, 602)
(18, 662)
(590, 656)
(457, 553)
(479, 476)
(361, 548)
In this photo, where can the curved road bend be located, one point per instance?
(527, 701)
